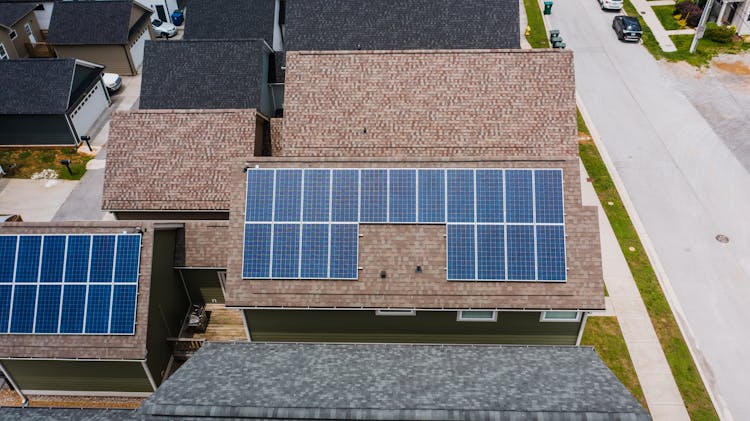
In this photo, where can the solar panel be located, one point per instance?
(502, 224)
(69, 284)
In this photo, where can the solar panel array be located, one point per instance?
(502, 224)
(69, 284)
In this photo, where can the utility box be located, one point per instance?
(547, 7)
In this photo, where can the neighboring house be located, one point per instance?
(177, 164)
(232, 20)
(381, 382)
(732, 12)
(208, 75)
(400, 205)
(42, 11)
(110, 33)
(400, 25)
(19, 30)
(163, 9)
(50, 101)
(90, 307)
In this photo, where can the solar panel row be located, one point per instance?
(75, 284)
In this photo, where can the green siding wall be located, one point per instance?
(99, 376)
(435, 327)
(203, 285)
(167, 306)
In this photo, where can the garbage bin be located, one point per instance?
(547, 7)
(177, 18)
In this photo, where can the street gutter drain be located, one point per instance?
(723, 239)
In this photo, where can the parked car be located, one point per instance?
(627, 28)
(163, 29)
(610, 4)
(112, 81)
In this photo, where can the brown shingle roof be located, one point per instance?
(175, 159)
(203, 245)
(475, 103)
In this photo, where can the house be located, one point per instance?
(380, 381)
(177, 164)
(111, 33)
(233, 20)
(19, 30)
(42, 11)
(208, 75)
(735, 13)
(163, 9)
(90, 307)
(50, 101)
(393, 25)
(400, 205)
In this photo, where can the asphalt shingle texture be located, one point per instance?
(90, 22)
(382, 381)
(10, 13)
(401, 25)
(36, 86)
(230, 19)
(202, 74)
(65, 414)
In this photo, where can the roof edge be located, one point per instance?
(453, 52)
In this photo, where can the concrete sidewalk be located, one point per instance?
(659, 387)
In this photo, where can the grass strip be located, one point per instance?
(664, 13)
(538, 36)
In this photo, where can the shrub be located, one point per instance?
(689, 11)
(722, 34)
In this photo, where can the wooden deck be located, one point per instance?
(225, 325)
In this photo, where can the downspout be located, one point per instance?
(583, 326)
(24, 399)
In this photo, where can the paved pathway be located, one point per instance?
(647, 13)
(34, 200)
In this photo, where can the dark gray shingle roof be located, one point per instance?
(90, 22)
(203, 74)
(230, 19)
(401, 25)
(388, 381)
(65, 414)
(35, 86)
(11, 13)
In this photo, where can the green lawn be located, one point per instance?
(32, 160)
(604, 334)
(664, 13)
(704, 52)
(538, 36)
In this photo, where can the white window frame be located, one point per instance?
(12, 34)
(3, 52)
(28, 29)
(460, 316)
(543, 316)
(396, 312)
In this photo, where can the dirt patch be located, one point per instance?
(735, 67)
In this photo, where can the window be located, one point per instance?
(3, 53)
(12, 34)
(395, 312)
(477, 316)
(560, 316)
(29, 33)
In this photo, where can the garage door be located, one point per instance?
(86, 113)
(136, 48)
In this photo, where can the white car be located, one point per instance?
(611, 4)
(112, 81)
(163, 29)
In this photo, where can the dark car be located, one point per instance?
(627, 28)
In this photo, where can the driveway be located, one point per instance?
(686, 186)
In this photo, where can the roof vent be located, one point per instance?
(383, 274)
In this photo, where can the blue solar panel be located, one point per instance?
(344, 196)
(460, 195)
(48, 308)
(314, 251)
(77, 259)
(259, 204)
(24, 301)
(102, 258)
(431, 196)
(374, 196)
(53, 258)
(317, 195)
(549, 196)
(123, 310)
(7, 259)
(344, 247)
(257, 259)
(27, 262)
(97, 308)
(71, 316)
(461, 252)
(490, 196)
(288, 198)
(550, 252)
(490, 252)
(519, 196)
(285, 253)
(521, 262)
(128, 256)
(5, 296)
(403, 197)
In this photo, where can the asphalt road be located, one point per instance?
(685, 185)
